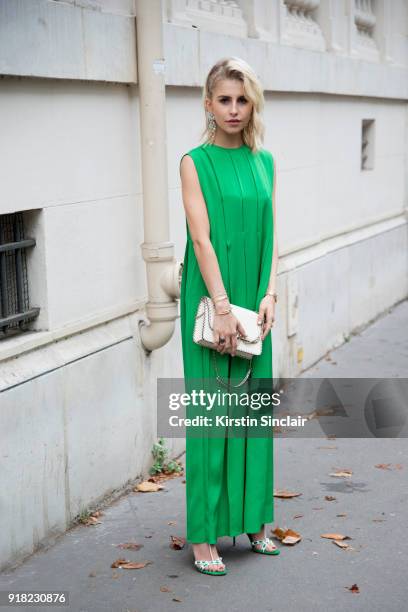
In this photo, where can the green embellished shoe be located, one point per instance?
(264, 541)
(203, 566)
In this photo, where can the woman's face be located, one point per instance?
(229, 103)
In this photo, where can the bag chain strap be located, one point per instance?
(222, 381)
(215, 361)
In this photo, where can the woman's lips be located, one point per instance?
(234, 121)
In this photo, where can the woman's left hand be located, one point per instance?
(266, 314)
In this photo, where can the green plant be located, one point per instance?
(84, 515)
(160, 454)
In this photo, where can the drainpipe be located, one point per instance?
(162, 270)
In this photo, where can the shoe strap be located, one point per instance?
(264, 542)
(206, 563)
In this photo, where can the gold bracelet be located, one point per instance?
(220, 297)
(274, 295)
(223, 313)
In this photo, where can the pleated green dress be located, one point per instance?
(229, 481)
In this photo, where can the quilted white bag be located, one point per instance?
(247, 346)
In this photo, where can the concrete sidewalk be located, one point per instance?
(370, 507)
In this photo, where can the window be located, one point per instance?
(367, 144)
(15, 311)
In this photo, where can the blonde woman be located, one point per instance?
(231, 255)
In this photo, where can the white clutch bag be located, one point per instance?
(247, 346)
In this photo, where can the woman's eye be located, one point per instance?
(242, 100)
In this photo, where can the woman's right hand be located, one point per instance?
(227, 326)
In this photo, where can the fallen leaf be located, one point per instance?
(318, 413)
(378, 520)
(130, 546)
(298, 516)
(284, 493)
(342, 514)
(335, 536)
(119, 562)
(287, 536)
(177, 542)
(343, 545)
(165, 475)
(176, 599)
(146, 487)
(386, 466)
(341, 473)
(92, 520)
(329, 497)
(354, 588)
(135, 564)
(124, 564)
(171, 523)
(165, 589)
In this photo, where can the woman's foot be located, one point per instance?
(202, 552)
(260, 535)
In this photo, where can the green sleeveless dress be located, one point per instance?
(229, 480)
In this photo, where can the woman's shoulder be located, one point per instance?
(194, 153)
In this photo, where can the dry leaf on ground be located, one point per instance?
(125, 564)
(386, 466)
(287, 536)
(341, 473)
(177, 542)
(148, 487)
(284, 493)
(335, 536)
(343, 545)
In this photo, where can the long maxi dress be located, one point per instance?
(229, 481)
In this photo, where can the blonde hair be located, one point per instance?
(237, 68)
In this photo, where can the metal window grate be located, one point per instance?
(15, 311)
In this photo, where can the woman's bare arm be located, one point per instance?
(199, 226)
(225, 325)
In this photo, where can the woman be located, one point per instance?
(231, 255)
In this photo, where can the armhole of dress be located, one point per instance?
(182, 157)
(273, 173)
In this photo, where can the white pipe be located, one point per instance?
(158, 252)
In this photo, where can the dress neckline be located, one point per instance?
(243, 146)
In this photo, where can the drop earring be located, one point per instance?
(212, 126)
